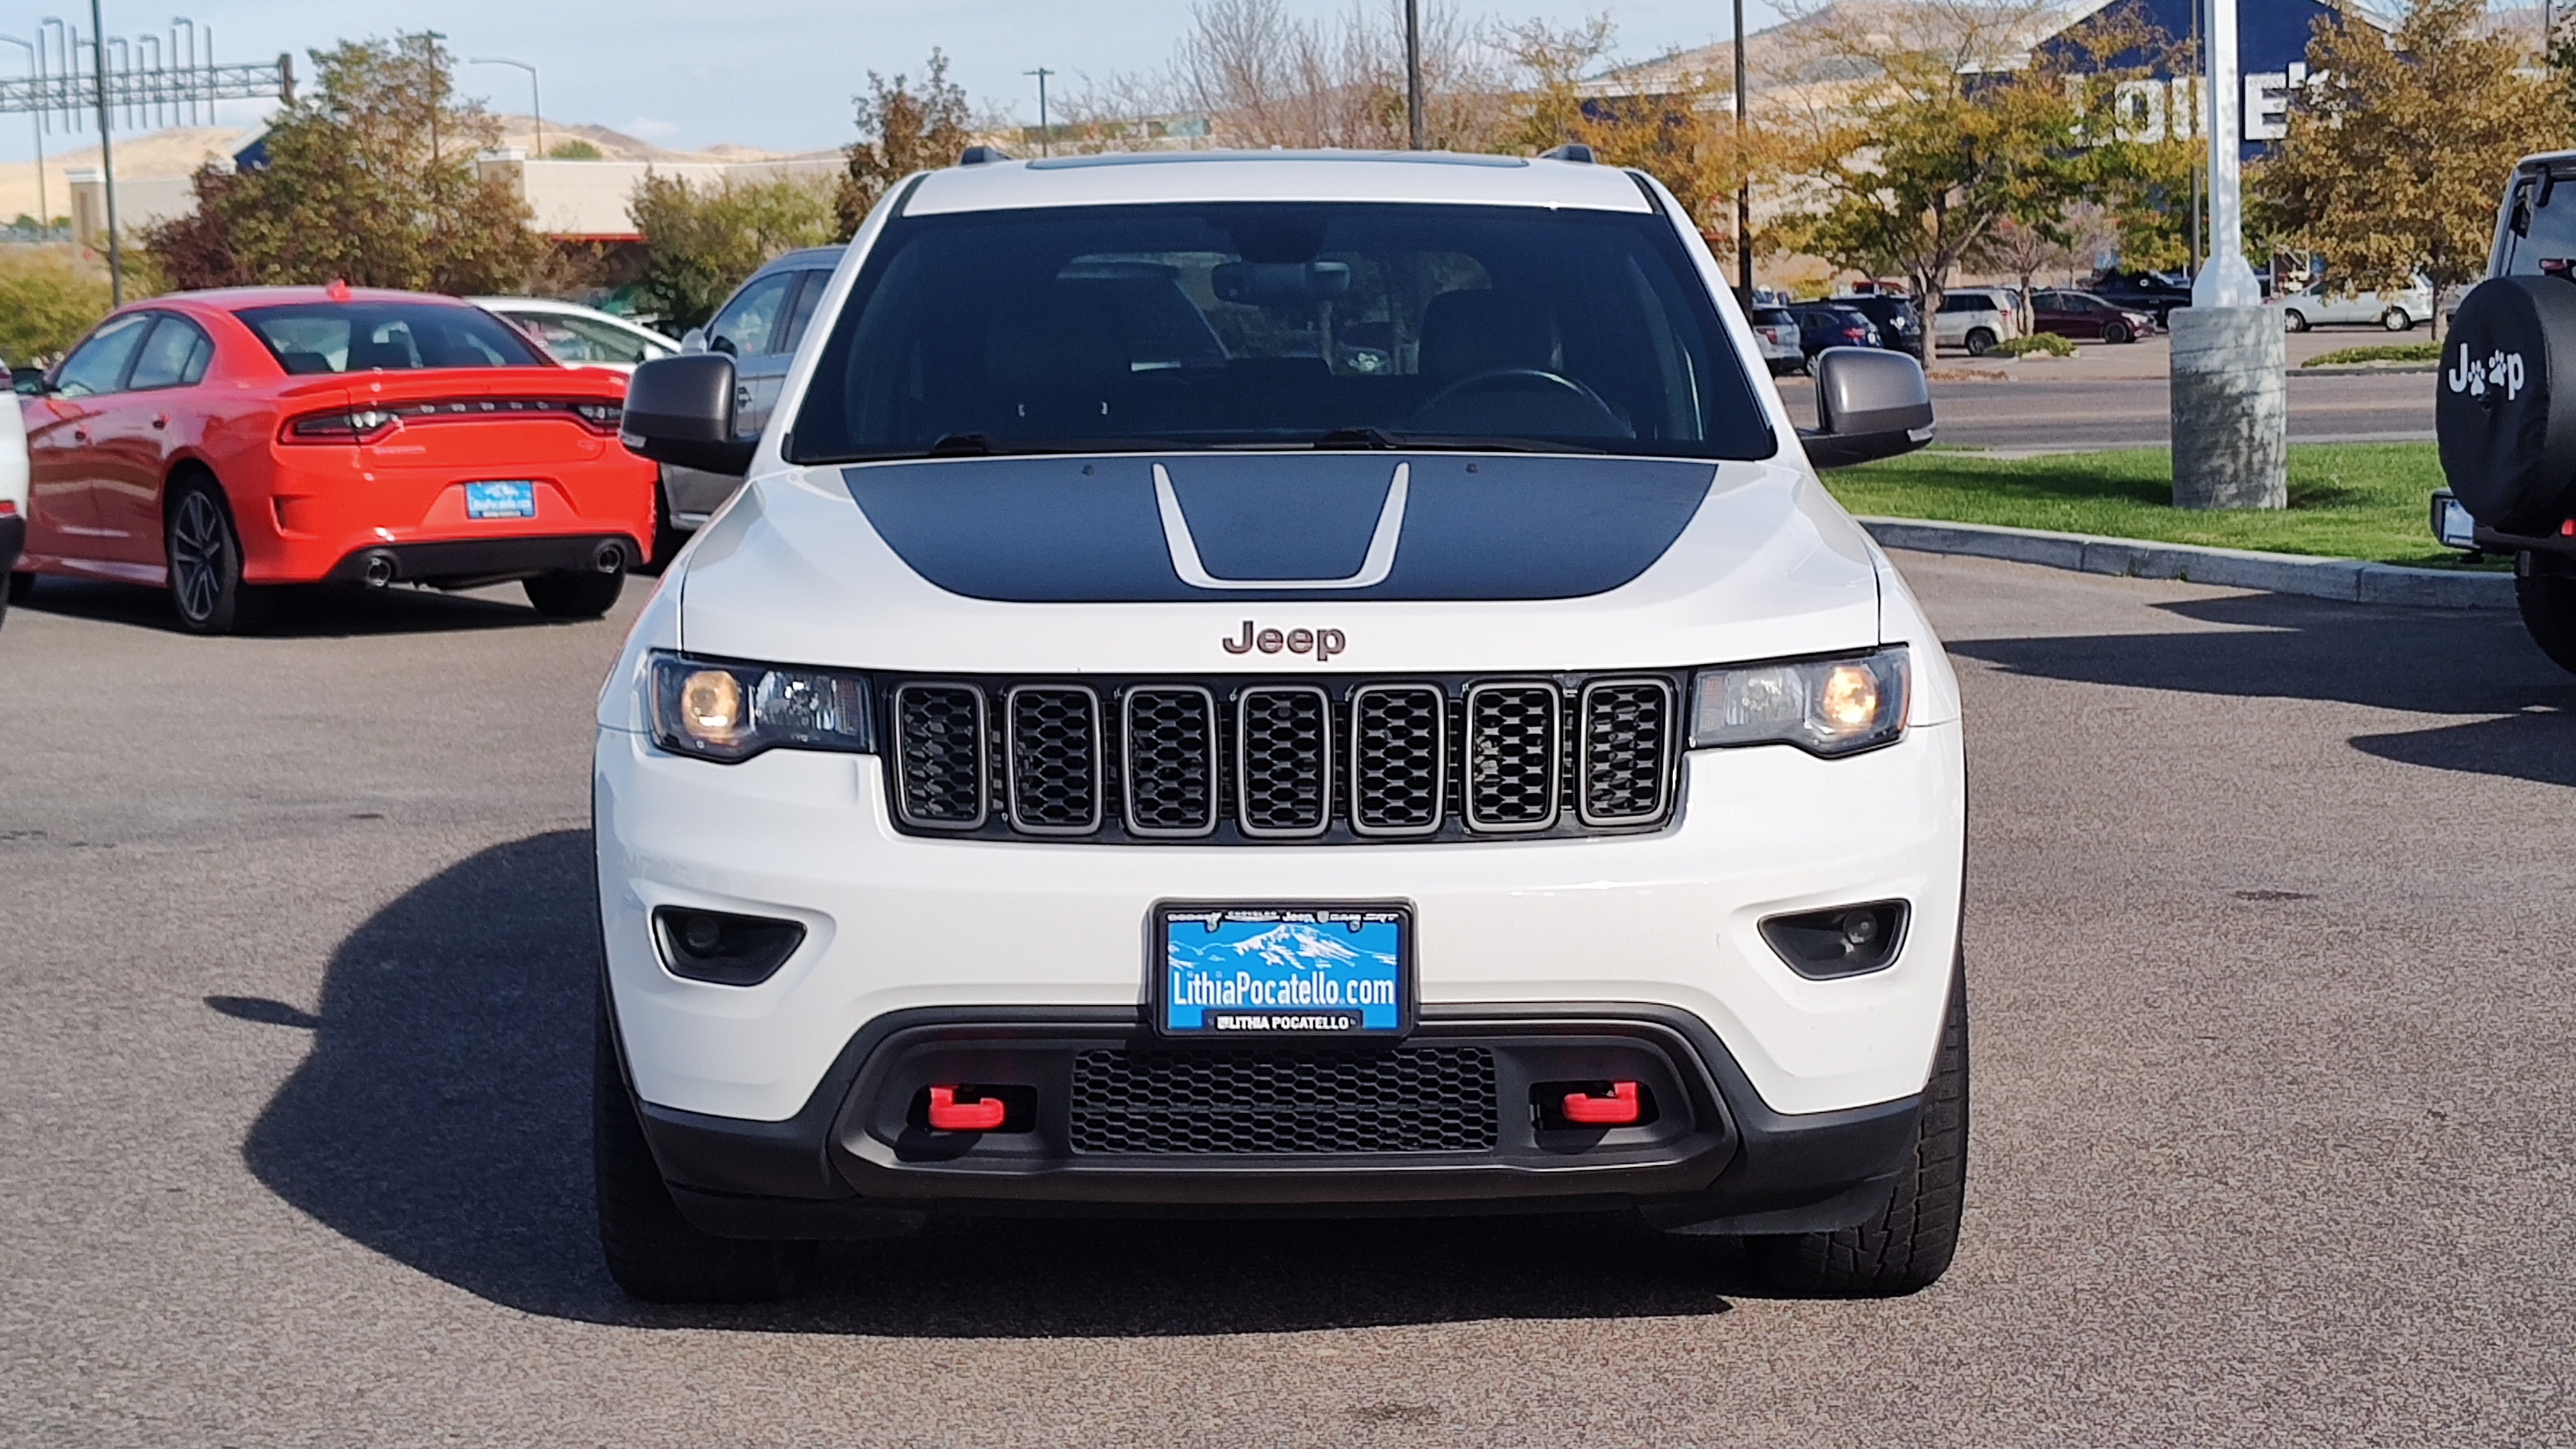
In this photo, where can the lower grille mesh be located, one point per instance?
(1412, 1099)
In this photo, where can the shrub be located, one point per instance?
(2386, 352)
(48, 298)
(573, 150)
(705, 240)
(2024, 346)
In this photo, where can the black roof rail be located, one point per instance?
(1570, 151)
(982, 155)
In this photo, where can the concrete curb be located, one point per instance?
(2367, 369)
(2347, 580)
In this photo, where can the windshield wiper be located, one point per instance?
(1374, 437)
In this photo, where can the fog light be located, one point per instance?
(1843, 941)
(728, 950)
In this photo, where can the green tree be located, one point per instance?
(1950, 126)
(701, 242)
(2394, 156)
(901, 131)
(370, 177)
(47, 300)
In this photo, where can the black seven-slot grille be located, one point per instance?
(1261, 761)
(1409, 1099)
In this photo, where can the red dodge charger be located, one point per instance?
(213, 442)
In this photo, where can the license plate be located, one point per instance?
(1283, 970)
(2452, 523)
(501, 500)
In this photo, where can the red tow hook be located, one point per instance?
(1616, 1110)
(947, 1114)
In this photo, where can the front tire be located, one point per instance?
(2294, 320)
(1980, 341)
(574, 596)
(2548, 603)
(2396, 320)
(205, 557)
(1908, 1246)
(653, 1252)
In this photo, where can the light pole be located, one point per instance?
(536, 103)
(1415, 134)
(189, 92)
(106, 160)
(1044, 131)
(36, 128)
(2229, 384)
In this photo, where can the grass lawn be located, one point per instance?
(2347, 500)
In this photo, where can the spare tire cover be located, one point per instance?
(2504, 404)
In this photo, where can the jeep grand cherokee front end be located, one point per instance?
(1279, 683)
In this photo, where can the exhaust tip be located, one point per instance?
(610, 558)
(381, 570)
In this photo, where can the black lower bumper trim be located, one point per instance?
(851, 1164)
(469, 562)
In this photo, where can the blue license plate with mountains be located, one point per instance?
(1283, 970)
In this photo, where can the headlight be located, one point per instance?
(1823, 706)
(719, 710)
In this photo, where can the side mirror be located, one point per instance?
(28, 381)
(1870, 404)
(680, 410)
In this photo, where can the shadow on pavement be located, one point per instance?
(2423, 661)
(299, 612)
(442, 1120)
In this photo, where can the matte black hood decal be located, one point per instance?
(1280, 525)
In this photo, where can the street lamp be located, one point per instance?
(36, 128)
(536, 104)
(1416, 134)
(1044, 131)
(2230, 388)
(189, 91)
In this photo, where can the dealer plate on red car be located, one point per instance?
(511, 499)
(1282, 970)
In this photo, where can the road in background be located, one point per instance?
(2270, 906)
(2136, 412)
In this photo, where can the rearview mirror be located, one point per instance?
(680, 410)
(1870, 404)
(1279, 283)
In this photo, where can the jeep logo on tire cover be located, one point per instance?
(2504, 406)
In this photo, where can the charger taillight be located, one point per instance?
(343, 425)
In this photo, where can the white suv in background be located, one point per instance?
(1974, 319)
(13, 504)
(1273, 683)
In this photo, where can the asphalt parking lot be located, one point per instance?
(2271, 909)
(2043, 411)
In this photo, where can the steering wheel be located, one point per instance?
(1485, 381)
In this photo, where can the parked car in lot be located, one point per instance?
(1898, 320)
(1822, 325)
(213, 443)
(2081, 314)
(579, 336)
(1974, 319)
(1778, 332)
(1088, 770)
(2319, 305)
(759, 327)
(13, 507)
(2154, 294)
(2501, 413)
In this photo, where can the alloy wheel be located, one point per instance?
(197, 546)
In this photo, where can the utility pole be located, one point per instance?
(2230, 387)
(1045, 132)
(106, 161)
(1744, 178)
(1415, 134)
(36, 127)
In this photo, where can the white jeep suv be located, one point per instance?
(1278, 683)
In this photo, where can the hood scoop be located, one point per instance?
(1202, 526)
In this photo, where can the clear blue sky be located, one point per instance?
(769, 73)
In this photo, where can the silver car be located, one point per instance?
(2319, 305)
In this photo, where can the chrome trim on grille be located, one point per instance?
(1319, 759)
(905, 758)
(1359, 790)
(1661, 782)
(1130, 770)
(1482, 759)
(1012, 793)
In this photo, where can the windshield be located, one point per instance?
(317, 337)
(1177, 326)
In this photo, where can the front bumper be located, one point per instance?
(854, 1162)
